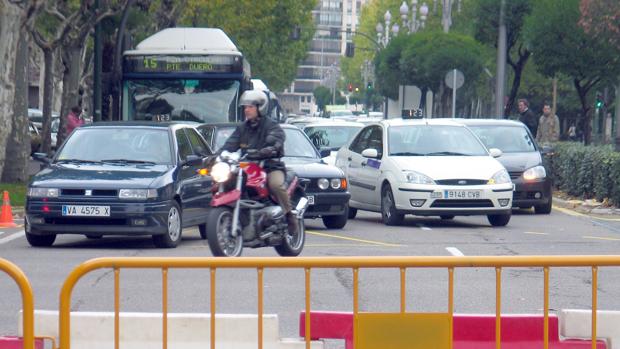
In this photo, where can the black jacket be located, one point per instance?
(267, 137)
(530, 120)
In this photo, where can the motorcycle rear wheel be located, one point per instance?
(292, 245)
(219, 233)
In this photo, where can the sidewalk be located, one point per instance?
(589, 207)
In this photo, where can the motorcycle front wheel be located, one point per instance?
(219, 233)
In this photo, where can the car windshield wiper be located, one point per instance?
(79, 161)
(128, 161)
(447, 153)
(405, 153)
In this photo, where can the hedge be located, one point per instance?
(586, 171)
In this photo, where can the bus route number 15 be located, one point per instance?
(150, 63)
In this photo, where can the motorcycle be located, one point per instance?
(244, 214)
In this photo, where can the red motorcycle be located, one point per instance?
(244, 214)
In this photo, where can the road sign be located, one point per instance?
(455, 78)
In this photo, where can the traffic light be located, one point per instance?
(357, 89)
(369, 86)
(350, 49)
(350, 87)
(599, 101)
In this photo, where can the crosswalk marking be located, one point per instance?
(455, 251)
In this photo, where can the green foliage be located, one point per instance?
(587, 171)
(486, 20)
(322, 96)
(261, 31)
(428, 56)
(17, 193)
(387, 67)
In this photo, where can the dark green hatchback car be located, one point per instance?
(121, 179)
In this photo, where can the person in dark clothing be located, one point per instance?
(263, 139)
(527, 116)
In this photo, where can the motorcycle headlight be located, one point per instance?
(137, 194)
(537, 172)
(323, 183)
(220, 172)
(43, 192)
(501, 177)
(418, 178)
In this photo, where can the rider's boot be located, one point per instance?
(291, 219)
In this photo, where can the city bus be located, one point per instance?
(189, 74)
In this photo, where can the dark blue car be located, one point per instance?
(121, 179)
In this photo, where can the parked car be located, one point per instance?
(54, 132)
(327, 188)
(331, 135)
(121, 179)
(522, 157)
(36, 117)
(425, 167)
(35, 138)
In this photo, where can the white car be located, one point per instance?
(425, 167)
(331, 135)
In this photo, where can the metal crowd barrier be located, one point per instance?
(309, 263)
(27, 300)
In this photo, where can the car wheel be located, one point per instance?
(389, 213)
(36, 239)
(203, 231)
(219, 229)
(545, 208)
(336, 222)
(175, 227)
(352, 212)
(498, 220)
(446, 217)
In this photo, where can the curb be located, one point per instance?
(585, 207)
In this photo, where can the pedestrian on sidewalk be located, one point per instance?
(548, 126)
(527, 116)
(74, 119)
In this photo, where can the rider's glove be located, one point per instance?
(253, 154)
(267, 152)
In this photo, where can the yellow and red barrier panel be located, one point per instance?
(27, 301)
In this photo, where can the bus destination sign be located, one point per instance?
(182, 64)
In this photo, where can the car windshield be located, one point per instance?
(202, 100)
(433, 140)
(508, 139)
(127, 144)
(332, 137)
(222, 136)
(297, 145)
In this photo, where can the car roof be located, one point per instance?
(219, 124)
(334, 123)
(414, 122)
(489, 122)
(149, 124)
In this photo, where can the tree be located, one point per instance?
(486, 13)
(601, 18)
(322, 96)
(387, 67)
(262, 32)
(561, 46)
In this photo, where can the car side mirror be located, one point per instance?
(192, 160)
(42, 157)
(494, 152)
(547, 150)
(370, 153)
(325, 152)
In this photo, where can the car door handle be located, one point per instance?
(363, 164)
(349, 158)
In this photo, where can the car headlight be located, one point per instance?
(137, 194)
(43, 192)
(418, 178)
(537, 172)
(501, 177)
(335, 183)
(323, 183)
(220, 172)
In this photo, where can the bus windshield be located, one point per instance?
(199, 100)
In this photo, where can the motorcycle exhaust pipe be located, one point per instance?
(301, 207)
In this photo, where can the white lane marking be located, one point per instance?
(534, 233)
(423, 227)
(12, 237)
(455, 251)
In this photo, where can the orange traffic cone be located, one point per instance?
(6, 213)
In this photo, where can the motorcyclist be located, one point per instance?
(263, 139)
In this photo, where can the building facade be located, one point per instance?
(335, 21)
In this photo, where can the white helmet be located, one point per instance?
(257, 98)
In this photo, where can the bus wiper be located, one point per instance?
(447, 153)
(405, 153)
(128, 161)
(79, 161)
